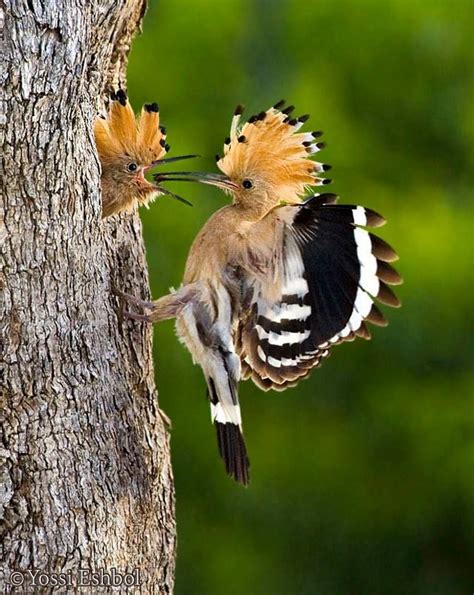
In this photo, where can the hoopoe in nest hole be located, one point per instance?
(128, 147)
(272, 283)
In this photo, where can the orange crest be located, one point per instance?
(122, 134)
(270, 147)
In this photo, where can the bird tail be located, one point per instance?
(222, 382)
(232, 449)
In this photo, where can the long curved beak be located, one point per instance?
(165, 191)
(218, 180)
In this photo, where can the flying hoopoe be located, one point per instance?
(272, 283)
(128, 147)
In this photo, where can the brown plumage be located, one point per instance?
(272, 284)
(128, 147)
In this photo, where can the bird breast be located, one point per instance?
(228, 240)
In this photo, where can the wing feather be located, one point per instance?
(332, 271)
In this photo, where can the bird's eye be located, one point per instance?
(132, 167)
(247, 184)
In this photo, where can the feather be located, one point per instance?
(150, 134)
(269, 145)
(283, 281)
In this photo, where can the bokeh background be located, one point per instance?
(362, 477)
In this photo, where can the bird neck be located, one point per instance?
(254, 209)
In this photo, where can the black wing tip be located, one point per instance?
(233, 451)
(386, 296)
(382, 250)
(374, 219)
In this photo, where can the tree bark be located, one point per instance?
(85, 473)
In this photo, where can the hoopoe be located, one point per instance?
(128, 147)
(271, 283)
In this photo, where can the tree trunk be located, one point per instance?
(85, 474)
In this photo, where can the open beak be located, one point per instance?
(165, 191)
(197, 176)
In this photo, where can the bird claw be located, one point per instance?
(134, 302)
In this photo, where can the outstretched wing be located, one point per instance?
(332, 272)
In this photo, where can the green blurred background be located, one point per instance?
(362, 477)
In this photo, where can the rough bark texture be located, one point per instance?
(85, 475)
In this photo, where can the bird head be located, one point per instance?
(266, 161)
(128, 147)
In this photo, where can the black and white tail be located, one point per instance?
(226, 417)
(207, 335)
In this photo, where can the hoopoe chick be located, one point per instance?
(272, 284)
(128, 147)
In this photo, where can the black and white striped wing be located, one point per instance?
(332, 272)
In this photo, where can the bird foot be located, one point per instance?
(138, 303)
